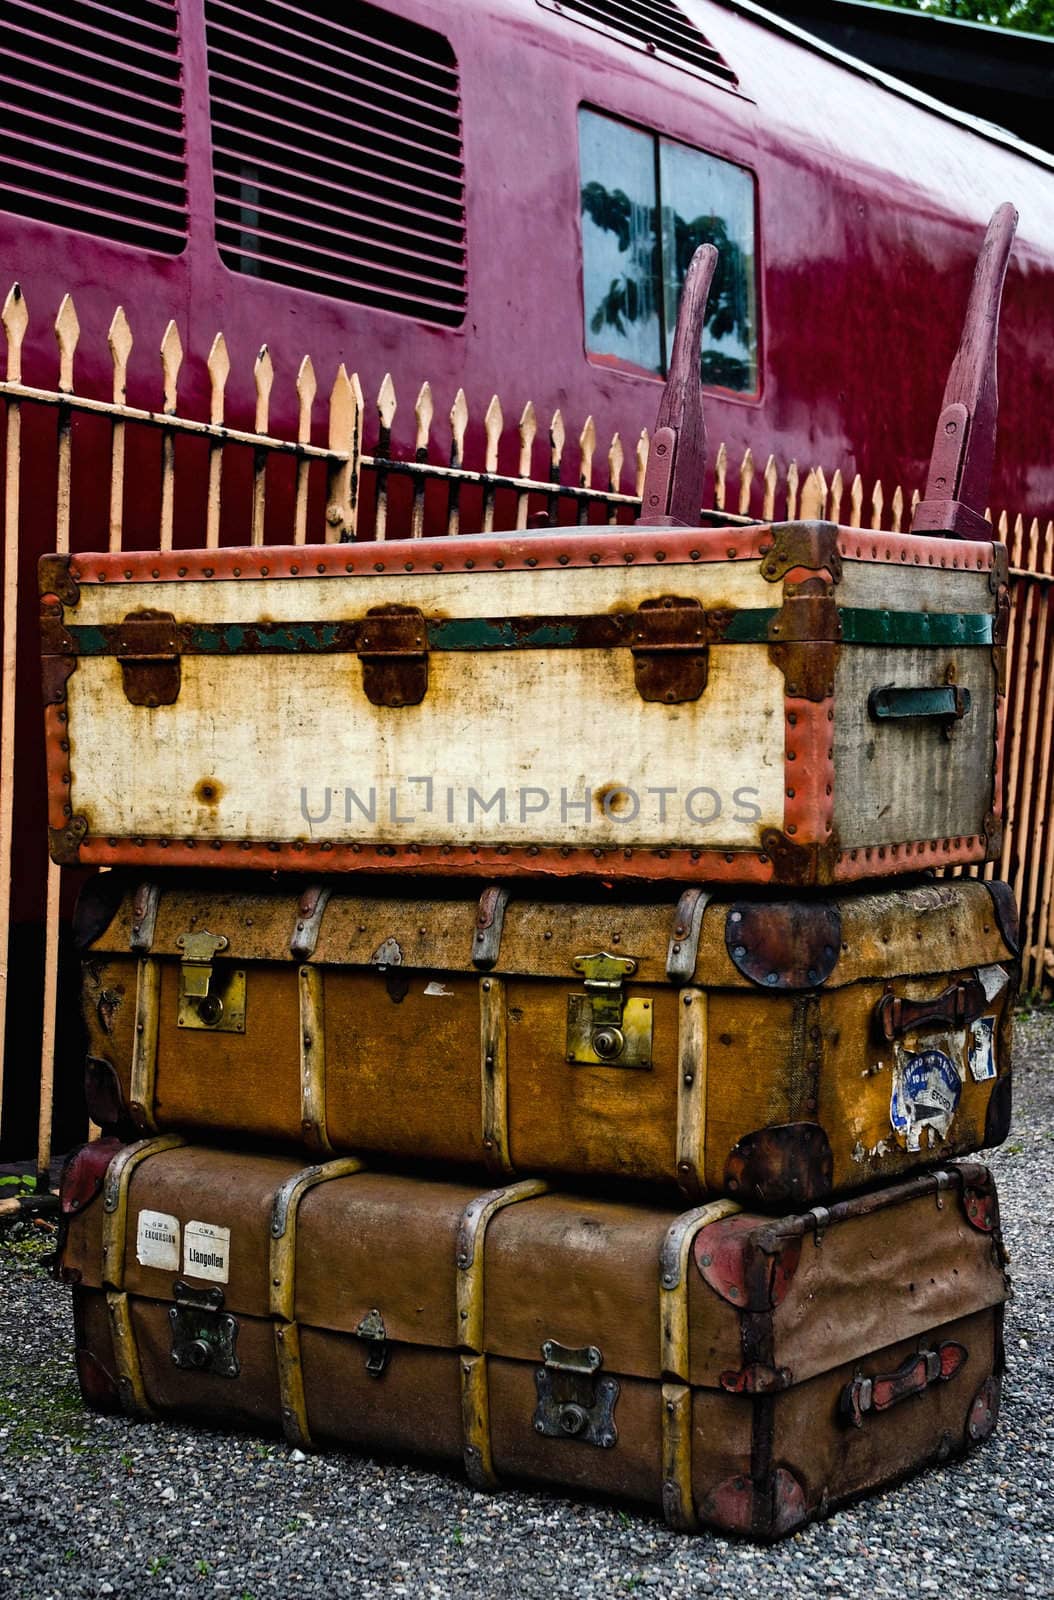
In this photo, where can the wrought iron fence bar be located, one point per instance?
(159, 419)
(499, 480)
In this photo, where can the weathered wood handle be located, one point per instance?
(677, 457)
(960, 473)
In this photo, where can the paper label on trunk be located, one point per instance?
(926, 1090)
(993, 980)
(207, 1251)
(982, 1049)
(157, 1240)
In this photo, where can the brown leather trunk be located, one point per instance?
(776, 1051)
(726, 1367)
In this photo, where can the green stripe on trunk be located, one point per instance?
(608, 631)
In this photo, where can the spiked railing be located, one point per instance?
(335, 489)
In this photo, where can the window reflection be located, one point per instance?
(620, 251)
(647, 204)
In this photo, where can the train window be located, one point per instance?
(94, 138)
(337, 153)
(647, 204)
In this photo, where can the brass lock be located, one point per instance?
(604, 1028)
(204, 1336)
(209, 997)
(574, 1400)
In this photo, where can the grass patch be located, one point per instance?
(54, 1409)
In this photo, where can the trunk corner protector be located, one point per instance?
(783, 1165)
(984, 1411)
(762, 1510)
(751, 1270)
(103, 1095)
(84, 1174)
(97, 905)
(55, 577)
(64, 844)
(784, 944)
(801, 866)
(812, 546)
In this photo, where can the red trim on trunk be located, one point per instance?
(916, 550)
(875, 861)
(559, 548)
(519, 861)
(57, 758)
(573, 548)
(808, 791)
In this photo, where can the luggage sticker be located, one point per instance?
(993, 980)
(926, 1090)
(206, 1251)
(982, 1049)
(157, 1240)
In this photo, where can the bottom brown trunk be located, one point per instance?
(731, 1370)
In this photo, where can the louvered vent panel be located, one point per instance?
(657, 26)
(91, 118)
(337, 154)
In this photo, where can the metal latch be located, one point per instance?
(671, 660)
(209, 997)
(146, 645)
(203, 1334)
(573, 1403)
(393, 649)
(604, 1028)
(373, 1331)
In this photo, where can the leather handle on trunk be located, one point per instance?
(960, 1004)
(913, 1378)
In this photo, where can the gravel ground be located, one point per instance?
(100, 1506)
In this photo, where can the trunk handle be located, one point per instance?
(891, 704)
(957, 1006)
(914, 1377)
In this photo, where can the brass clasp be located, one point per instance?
(573, 1401)
(209, 998)
(604, 1028)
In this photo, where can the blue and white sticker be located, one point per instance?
(926, 1091)
(982, 1049)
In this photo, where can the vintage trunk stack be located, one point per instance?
(526, 1015)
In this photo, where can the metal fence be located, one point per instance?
(337, 491)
